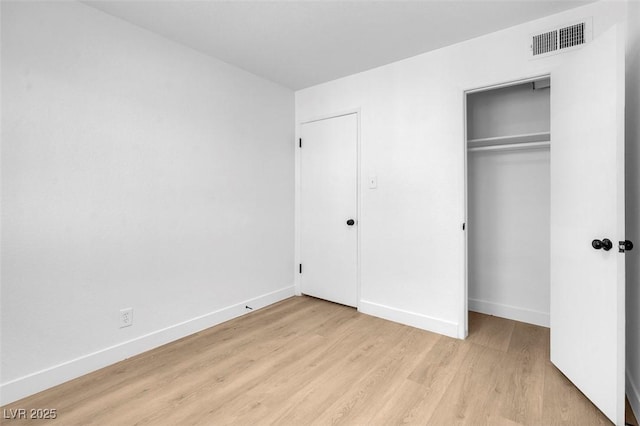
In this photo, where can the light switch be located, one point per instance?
(373, 182)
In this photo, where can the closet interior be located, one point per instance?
(508, 198)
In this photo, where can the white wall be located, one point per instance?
(135, 173)
(509, 111)
(412, 244)
(632, 169)
(508, 223)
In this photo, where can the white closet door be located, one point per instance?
(328, 209)
(587, 203)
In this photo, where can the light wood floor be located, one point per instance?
(306, 361)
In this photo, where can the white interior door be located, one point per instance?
(587, 203)
(328, 209)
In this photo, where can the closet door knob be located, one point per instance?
(605, 244)
(351, 222)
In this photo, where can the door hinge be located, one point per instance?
(300, 143)
(464, 225)
(300, 271)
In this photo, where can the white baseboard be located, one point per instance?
(633, 394)
(511, 312)
(413, 319)
(30, 384)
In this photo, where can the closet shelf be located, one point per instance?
(508, 141)
(512, 146)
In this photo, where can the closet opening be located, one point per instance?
(508, 144)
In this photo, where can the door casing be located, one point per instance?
(465, 316)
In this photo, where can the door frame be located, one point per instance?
(464, 316)
(297, 212)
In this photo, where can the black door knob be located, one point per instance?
(351, 222)
(605, 244)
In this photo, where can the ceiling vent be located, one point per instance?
(560, 39)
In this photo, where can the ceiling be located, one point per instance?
(302, 43)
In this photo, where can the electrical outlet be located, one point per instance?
(126, 317)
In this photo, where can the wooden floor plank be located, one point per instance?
(564, 404)
(629, 415)
(307, 361)
(315, 397)
(416, 398)
(465, 399)
(519, 389)
(492, 332)
(362, 403)
(530, 340)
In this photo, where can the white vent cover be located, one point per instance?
(572, 36)
(560, 39)
(545, 43)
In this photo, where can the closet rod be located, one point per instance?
(512, 146)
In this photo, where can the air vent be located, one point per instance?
(545, 43)
(572, 36)
(559, 39)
